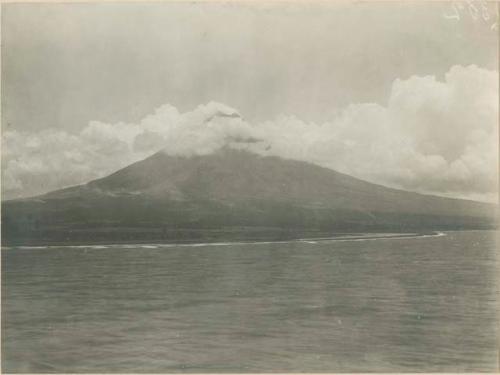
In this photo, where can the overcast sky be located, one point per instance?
(402, 94)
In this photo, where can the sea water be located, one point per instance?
(411, 304)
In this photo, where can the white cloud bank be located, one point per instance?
(433, 136)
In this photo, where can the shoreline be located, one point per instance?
(308, 240)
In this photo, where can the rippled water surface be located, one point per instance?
(406, 304)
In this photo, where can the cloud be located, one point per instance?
(432, 136)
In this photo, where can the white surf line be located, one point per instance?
(312, 241)
(438, 234)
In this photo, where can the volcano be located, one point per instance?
(228, 195)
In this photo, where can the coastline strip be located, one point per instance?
(312, 241)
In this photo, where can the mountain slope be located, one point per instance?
(228, 194)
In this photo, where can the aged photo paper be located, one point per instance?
(249, 187)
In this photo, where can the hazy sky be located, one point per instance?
(403, 94)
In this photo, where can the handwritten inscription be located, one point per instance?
(476, 10)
